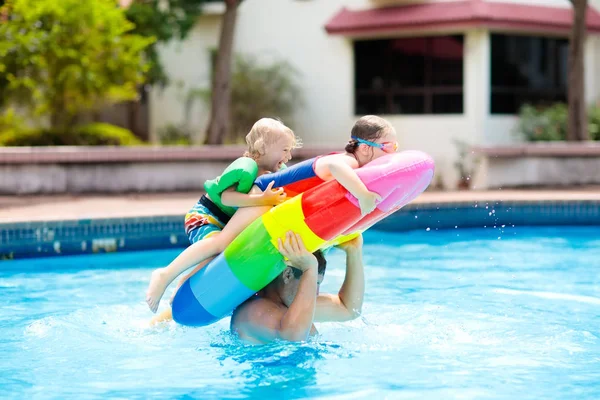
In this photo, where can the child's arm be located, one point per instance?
(341, 168)
(269, 197)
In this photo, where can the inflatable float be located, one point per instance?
(324, 215)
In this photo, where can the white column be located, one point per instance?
(591, 65)
(477, 91)
(476, 78)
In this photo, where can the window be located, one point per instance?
(527, 69)
(409, 75)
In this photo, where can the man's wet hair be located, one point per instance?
(321, 261)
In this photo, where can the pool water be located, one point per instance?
(458, 314)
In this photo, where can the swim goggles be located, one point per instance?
(388, 147)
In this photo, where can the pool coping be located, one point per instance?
(23, 209)
(61, 225)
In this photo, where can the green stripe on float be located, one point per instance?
(252, 257)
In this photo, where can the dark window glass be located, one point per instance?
(422, 75)
(527, 69)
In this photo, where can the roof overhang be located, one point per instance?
(440, 15)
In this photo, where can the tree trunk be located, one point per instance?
(221, 92)
(578, 127)
(55, 120)
(133, 110)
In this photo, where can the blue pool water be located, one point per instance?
(461, 314)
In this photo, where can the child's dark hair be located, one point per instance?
(369, 127)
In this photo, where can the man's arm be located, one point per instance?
(297, 321)
(266, 321)
(347, 304)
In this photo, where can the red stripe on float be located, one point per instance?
(370, 219)
(294, 189)
(329, 211)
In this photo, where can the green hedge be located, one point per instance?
(96, 134)
(551, 123)
(594, 122)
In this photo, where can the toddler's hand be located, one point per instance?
(273, 197)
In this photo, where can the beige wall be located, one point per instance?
(188, 66)
(325, 62)
(294, 31)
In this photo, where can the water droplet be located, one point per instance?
(503, 226)
(428, 229)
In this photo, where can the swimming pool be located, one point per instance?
(468, 313)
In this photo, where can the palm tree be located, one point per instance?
(219, 124)
(578, 127)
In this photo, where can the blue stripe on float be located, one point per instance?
(284, 177)
(187, 310)
(217, 289)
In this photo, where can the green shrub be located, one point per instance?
(594, 121)
(258, 89)
(99, 134)
(543, 124)
(10, 120)
(177, 135)
(96, 134)
(551, 123)
(62, 58)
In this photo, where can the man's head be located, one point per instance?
(288, 281)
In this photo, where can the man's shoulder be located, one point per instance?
(255, 305)
(255, 311)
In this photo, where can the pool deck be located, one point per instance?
(73, 207)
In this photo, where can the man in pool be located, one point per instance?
(287, 307)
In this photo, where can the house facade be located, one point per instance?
(440, 71)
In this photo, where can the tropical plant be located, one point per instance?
(60, 58)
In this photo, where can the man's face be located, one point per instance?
(291, 281)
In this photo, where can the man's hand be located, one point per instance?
(294, 250)
(350, 245)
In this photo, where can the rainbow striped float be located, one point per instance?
(323, 215)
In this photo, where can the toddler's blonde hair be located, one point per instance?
(264, 132)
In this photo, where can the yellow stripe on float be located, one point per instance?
(341, 239)
(286, 217)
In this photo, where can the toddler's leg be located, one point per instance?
(200, 251)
